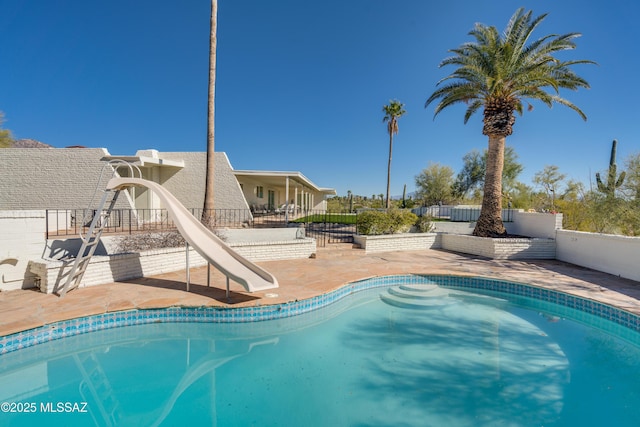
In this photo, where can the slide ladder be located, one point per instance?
(99, 221)
(90, 241)
(215, 251)
(96, 389)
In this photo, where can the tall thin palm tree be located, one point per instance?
(499, 72)
(208, 217)
(392, 113)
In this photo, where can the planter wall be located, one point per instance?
(112, 268)
(523, 248)
(398, 242)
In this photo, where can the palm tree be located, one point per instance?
(498, 72)
(392, 113)
(208, 215)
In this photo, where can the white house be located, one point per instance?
(68, 178)
(269, 191)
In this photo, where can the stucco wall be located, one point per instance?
(532, 224)
(617, 255)
(21, 239)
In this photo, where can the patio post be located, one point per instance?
(187, 260)
(286, 207)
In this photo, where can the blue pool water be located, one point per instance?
(381, 357)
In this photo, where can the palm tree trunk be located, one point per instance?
(490, 222)
(207, 211)
(388, 204)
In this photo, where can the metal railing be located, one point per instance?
(71, 222)
(458, 213)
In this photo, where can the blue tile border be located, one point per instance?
(104, 321)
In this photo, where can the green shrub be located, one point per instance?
(385, 222)
(424, 224)
(401, 221)
(372, 222)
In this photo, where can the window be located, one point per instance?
(259, 192)
(271, 199)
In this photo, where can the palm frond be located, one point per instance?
(511, 66)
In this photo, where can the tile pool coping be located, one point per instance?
(73, 327)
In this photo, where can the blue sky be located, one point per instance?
(301, 84)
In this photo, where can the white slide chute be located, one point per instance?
(233, 265)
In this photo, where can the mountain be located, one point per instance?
(29, 143)
(411, 195)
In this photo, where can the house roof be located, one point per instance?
(151, 157)
(147, 158)
(277, 178)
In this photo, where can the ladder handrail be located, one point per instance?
(98, 223)
(115, 164)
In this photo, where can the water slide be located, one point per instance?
(204, 241)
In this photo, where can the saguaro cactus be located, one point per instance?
(612, 183)
(404, 197)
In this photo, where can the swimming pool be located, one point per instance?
(429, 356)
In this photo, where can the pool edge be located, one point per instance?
(128, 317)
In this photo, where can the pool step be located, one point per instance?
(422, 287)
(431, 296)
(418, 299)
(421, 292)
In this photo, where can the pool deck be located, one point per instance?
(300, 279)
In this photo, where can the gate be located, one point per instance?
(330, 227)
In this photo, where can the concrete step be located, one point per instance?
(418, 291)
(415, 303)
(433, 296)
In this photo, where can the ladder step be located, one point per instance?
(90, 241)
(78, 273)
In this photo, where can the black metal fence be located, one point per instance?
(71, 222)
(325, 227)
(330, 227)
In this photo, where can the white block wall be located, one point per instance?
(453, 227)
(238, 235)
(113, 268)
(66, 178)
(398, 242)
(617, 255)
(227, 191)
(272, 251)
(51, 178)
(500, 248)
